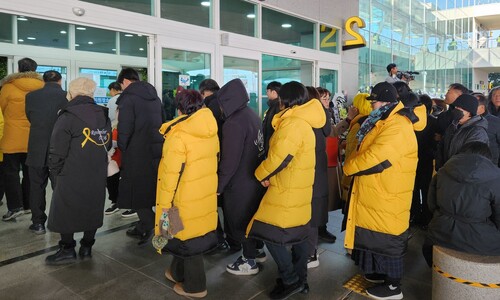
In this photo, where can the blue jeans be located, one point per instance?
(292, 266)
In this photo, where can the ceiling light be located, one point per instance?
(20, 40)
(141, 49)
(113, 49)
(77, 45)
(286, 25)
(129, 35)
(205, 3)
(251, 16)
(81, 28)
(21, 18)
(90, 43)
(31, 38)
(62, 32)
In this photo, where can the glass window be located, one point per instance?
(196, 12)
(283, 69)
(328, 79)
(5, 28)
(248, 71)
(138, 6)
(133, 44)
(181, 69)
(37, 32)
(283, 28)
(95, 39)
(238, 16)
(328, 39)
(103, 78)
(63, 70)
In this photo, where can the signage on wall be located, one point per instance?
(184, 80)
(358, 41)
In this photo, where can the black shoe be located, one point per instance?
(283, 291)
(326, 236)
(112, 209)
(386, 291)
(129, 213)
(144, 237)
(65, 255)
(37, 228)
(13, 214)
(375, 278)
(86, 248)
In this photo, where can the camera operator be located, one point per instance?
(392, 69)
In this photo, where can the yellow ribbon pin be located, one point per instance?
(86, 133)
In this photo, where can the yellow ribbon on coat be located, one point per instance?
(86, 133)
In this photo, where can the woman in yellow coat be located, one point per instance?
(284, 213)
(187, 179)
(384, 168)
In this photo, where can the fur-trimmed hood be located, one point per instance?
(25, 85)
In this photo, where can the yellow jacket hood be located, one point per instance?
(312, 112)
(200, 124)
(25, 81)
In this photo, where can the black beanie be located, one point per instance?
(467, 102)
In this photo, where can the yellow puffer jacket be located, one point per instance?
(12, 102)
(188, 173)
(380, 202)
(351, 143)
(1, 132)
(289, 167)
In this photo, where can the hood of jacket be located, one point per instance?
(312, 112)
(470, 168)
(232, 97)
(85, 109)
(417, 115)
(25, 81)
(199, 124)
(476, 120)
(141, 89)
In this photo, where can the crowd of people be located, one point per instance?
(215, 178)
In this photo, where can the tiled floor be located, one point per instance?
(120, 269)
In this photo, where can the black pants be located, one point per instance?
(112, 183)
(17, 193)
(419, 211)
(88, 237)
(191, 272)
(2, 185)
(313, 240)
(146, 220)
(291, 266)
(39, 177)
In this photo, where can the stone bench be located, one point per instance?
(461, 276)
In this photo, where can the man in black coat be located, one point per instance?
(42, 107)
(139, 119)
(493, 127)
(273, 103)
(241, 152)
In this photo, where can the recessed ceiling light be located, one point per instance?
(20, 40)
(77, 45)
(21, 18)
(62, 32)
(90, 43)
(81, 28)
(31, 38)
(286, 25)
(205, 3)
(139, 35)
(251, 16)
(141, 49)
(129, 35)
(113, 49)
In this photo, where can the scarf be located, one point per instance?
(373, 118)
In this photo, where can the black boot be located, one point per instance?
(326, 236)
(65, 255)
(86, 248)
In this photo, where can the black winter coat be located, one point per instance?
(465, 199)
(78, 160)
(319, 202)
(267, 126)
(493, 110)
(42, 107)
(139, 139)
(212, 103)
(494, 136)
(474, 130)
(241, 153)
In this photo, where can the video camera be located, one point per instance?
(407, 74)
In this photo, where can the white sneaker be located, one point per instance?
(243, 266)
(313, 261)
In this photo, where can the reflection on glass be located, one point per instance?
(283, 28)
(248, 71)
(181, 70)
(283, 69)
(103, 78)
(5, 28)
(95, 39)
(133, 44)
(37, 32)
(139, 6)
(238, 16)
(328, 39)
(328, 79)
(194, 12)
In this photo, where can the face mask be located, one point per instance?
(457, 115)
(436, 110)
